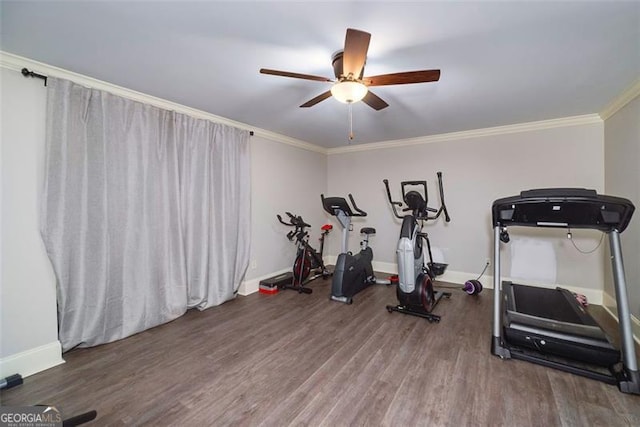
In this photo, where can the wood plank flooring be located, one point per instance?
(296, 359)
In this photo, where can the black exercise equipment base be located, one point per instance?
(420, 313)
(617, 374)
(286, 281)
(301, 288)
(80, 419)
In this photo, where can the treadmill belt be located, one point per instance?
(549, 304)
(552, 322)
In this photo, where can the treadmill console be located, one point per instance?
(563, 207)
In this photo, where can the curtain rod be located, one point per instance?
(27, 73)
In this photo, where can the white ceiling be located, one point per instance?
(502, 62)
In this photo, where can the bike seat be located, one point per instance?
(327, 227)
(368, 230)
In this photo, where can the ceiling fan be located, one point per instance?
(349, 85)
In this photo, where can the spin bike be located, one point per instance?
(352, 273)
(308, 260)
(415, 292)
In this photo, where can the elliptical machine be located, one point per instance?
(307, 259)
(415, 292)
(352, 273)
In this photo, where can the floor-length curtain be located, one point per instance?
(145, 213)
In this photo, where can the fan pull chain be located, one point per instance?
(350, 122)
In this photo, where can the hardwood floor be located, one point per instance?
(295, 359)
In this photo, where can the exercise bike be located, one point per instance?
(308, 264)
(352, 273)
(415, 292)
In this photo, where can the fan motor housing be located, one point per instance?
(336, 62)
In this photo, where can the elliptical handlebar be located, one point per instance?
(393, 204)
(424, 215)
(443, 206)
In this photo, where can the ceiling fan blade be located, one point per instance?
(294, 75)
(356, 45)
(374, 101)
(314, 101)
(422, 76)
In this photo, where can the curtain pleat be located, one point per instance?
(145, 213)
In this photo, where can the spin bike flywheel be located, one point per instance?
(301, 268)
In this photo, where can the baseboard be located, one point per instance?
(385, 267)
(32, 361)
(251, 286)
(611, 306)
(594, 296)
(329, 259)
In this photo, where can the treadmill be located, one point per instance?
(548, 326)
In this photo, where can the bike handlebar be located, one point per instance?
(359, 211)
(332, 205)
(294, 220)
(285, 223)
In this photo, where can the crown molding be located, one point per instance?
(17, 63)
(289, 141)
(621, 100)
(476, 133)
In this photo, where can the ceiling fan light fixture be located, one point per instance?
(349, 91)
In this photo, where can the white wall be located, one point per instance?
(284, 178)
(622, 178)
(477, 171)
(28, 322)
